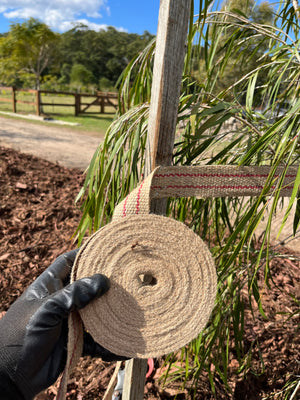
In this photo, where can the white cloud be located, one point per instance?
(60, 15)
(66, 25)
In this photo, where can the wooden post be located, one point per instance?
(77, 104)
(167, 76)
(38, 102)
(14, 100)
(102, 104)
(166, 85)
(134, 381)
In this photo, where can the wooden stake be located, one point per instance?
(167, 76)
(134, 381)
(14, 99)
(38, 102)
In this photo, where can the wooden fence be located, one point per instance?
(80, 104)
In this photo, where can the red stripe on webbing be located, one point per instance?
(212, 187)
(138, 198)
(124, 206)
(206, 175)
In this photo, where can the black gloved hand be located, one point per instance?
(33, 332)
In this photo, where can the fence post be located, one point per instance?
(77, 104)
(14, 101)
(38, 102)
(102, 104)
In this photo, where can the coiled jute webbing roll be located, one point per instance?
(163, 285)
(163, 279)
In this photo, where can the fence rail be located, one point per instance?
(80, 104)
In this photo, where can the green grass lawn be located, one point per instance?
(93, 123)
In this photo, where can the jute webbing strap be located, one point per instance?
(204, 181)
(75, 346)
(162, 276)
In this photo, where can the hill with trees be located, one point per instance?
(31, 55)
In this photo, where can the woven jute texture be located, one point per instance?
(75, 346)
(204, 181)
(163, 285)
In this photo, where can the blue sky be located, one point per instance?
(133, 16)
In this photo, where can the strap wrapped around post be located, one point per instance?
(203, 181)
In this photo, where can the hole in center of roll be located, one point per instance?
(147, 279)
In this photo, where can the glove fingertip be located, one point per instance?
(101, 282)
(78, 294)
(93, 287)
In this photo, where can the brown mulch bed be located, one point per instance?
(37, 220)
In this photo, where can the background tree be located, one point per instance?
(28, 48)
(239, 60)
(81, 76)
(247, 57)
(105, 53)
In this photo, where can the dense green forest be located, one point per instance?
(32, 55)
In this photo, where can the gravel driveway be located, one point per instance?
(55, 143)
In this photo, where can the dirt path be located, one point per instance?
(54, 143)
